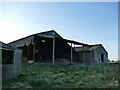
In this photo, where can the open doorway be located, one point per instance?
(102, 57)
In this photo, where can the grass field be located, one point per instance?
(65, 76)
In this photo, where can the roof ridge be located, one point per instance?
(46, 31)
(96, 44)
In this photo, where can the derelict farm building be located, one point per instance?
(51, 47)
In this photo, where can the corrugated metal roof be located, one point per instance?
(6, 46)
(75, 42)
(48, 34)
(87, 48)
(23, 41)
(27, 40)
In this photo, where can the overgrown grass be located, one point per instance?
(65, 76)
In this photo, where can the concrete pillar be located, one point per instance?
(71, 53)
(53, 54)
(91, 57)
(83, 55)
(0, 66)
(0, 77)
(0, 56)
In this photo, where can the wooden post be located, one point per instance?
(83, 55)
(53, 54)
(91, 56)
(71, 53)
(33, 51)
(27, 51)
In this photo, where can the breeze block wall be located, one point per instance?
(12, 70)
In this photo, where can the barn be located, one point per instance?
(10, 61)
(49, 47)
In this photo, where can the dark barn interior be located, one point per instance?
(40, 49)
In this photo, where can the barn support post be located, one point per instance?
(27, 52)
(74, 57)
(71, 53)
(53, 53)
(34, 51)
(83, 55)
(90, 56)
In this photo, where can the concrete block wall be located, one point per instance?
(12, 70)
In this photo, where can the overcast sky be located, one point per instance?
(86, 22)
